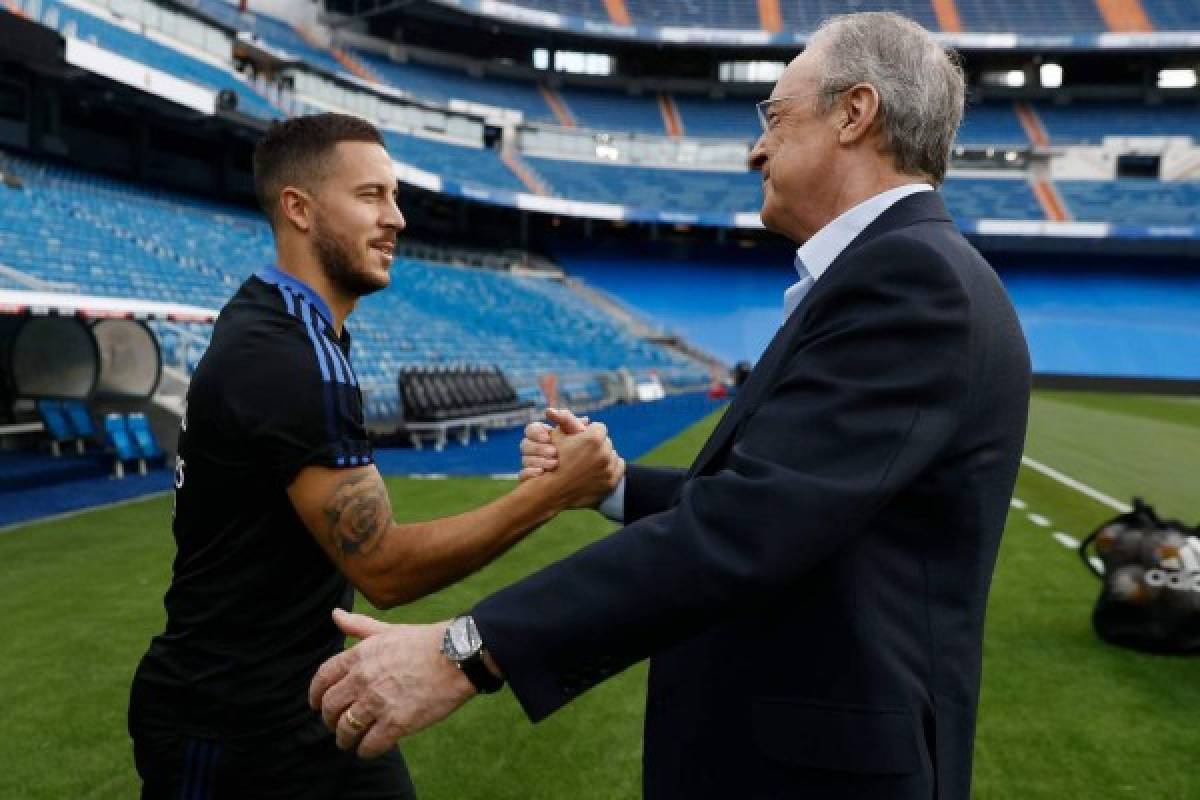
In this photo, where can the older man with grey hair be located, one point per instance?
(811, 591)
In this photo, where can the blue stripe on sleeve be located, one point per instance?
(312, 334)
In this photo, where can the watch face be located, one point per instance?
(464, 638)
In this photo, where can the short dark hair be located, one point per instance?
(293, 152)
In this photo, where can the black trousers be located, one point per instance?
(303, 764)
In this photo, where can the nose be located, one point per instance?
(395, 217)
(758, 155)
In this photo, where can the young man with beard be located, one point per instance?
(280, 511)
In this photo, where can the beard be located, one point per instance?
(337, 259)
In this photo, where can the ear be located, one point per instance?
(295, 208)
(859, 110)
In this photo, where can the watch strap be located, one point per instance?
(478, 674)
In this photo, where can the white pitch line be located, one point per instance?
(1039, 520)
(1079, 486)
(1097, 563)
(1018, 504)
(1066, 540)
(77, 511)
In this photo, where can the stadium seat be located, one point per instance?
(57, 425)
(143, 437)
(80, 418)
(122, 444)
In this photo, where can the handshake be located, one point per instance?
(577, 456)
(397, 681)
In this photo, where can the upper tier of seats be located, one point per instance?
(274, 32)
(990, 123)
(1010, 16)
(1173, 15)
(107, 237)
(442, 85)
(699, 191)
(806, 15)
(1031, 16)
(1089, 122)
(475, 165)
(70, 21)
(736, 14)
(1133, 202)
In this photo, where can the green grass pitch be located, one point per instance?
(1062, 715)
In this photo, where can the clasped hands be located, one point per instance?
(396, 681)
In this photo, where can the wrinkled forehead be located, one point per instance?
(802, 75)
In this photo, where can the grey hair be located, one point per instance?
(920, 84)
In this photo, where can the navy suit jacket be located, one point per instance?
(812, 590)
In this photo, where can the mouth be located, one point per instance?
(386, 248)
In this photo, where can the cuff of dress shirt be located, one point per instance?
(613, 506)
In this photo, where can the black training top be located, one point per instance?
(248, 609)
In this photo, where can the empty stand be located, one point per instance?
(608, 110)
(112, 238)
(442, 85)
(806, 15)
(275, 33)
(1031, 16)
(1173, 15)
(1089, 122)
(652, 187)
(737, 14)
(475, 165)
(991, 124)
(992, 198)
(71, 21)
(731, 118)
(1133, 202)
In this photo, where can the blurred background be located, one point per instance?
(582, 231)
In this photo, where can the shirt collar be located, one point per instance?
(277, 277)
(815, 255)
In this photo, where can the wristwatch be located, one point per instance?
(464, 647)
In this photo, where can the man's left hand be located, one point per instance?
(393, 683)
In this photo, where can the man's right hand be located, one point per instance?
(538, 453)
(578, 457)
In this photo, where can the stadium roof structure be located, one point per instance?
(65, 304)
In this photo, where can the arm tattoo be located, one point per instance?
(358, 515)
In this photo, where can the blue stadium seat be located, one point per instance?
(122, 444)
(58, 427)
(80, 418)
(143, 437)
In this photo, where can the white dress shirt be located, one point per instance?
(812, 260)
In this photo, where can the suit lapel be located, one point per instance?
(918, 207)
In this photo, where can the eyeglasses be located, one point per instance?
(762, 106)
